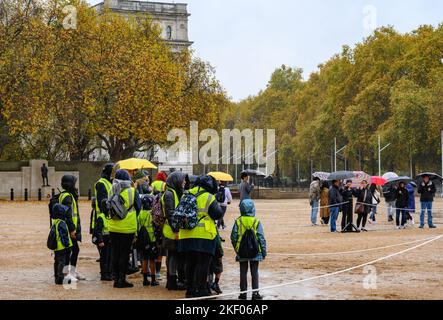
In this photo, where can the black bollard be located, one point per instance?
(26, 194)
(53, 193)
(39, 194)
(89, 195)
(12, 194)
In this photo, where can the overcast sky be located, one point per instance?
(247, 39)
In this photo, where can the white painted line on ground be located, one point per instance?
(323, 275)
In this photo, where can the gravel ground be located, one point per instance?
(26, 264)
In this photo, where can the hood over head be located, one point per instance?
(122, 175)
(68, 183)
(107, 171)
(247, 208)
(175, 181)
(208, 183)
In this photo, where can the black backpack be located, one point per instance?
(221, 196)
(249, 246)
(52, 238)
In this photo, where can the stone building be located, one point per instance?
(172, 17)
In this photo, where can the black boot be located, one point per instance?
(123, 283)
(172, 283)
(154, 283)
(190, 293)
(116, 280)
(146, 282)
(181, 286)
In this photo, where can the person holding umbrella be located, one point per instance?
(402, 205)
(427, 191)
(411, 202)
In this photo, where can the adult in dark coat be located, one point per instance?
(335, 202)
(347, 193)
(364, 197)
(427, 191)
(402, 203)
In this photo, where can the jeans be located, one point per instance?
(391, 209)
(403, 213)
(426, 206)
(334, 216)
(72, 257)
(244, 275)
(314, 211)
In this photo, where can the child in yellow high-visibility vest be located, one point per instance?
(248, 221)
(64, 242)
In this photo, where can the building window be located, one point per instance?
(168, 33)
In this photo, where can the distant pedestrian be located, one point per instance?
(44, 170)
(427, 191)
(335, 201)
(224, 197)
(324, 203)
(402, 205)
(363, 206)
(347, 193)
(245, 188)
(411, 203)
(375, 202)
(314, 198)
(389, 193)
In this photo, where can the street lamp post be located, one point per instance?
(380, 150)
(336, 152)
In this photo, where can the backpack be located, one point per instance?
(116, 203)
(52, 238)
(158, 218)
(221, 195)
(186, 214)
(249, 246)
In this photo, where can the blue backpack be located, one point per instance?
(186, 214)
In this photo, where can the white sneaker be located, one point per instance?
(79, 277)
(71, 278)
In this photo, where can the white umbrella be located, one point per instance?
(390, 175)
(324, 176)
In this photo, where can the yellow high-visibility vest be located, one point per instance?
(98, 213)
(73, 207)
(167, 230)
(129, 224)
(60, 245)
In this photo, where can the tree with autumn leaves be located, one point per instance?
(390, 85)
(111, 82)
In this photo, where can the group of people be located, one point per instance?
(331, 199)
(144, 232)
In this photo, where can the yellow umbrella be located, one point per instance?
(134, 164)
(221, 176)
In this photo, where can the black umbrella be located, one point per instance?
(253, 173)
(341, 175)
(431, 175)
(397, 181)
